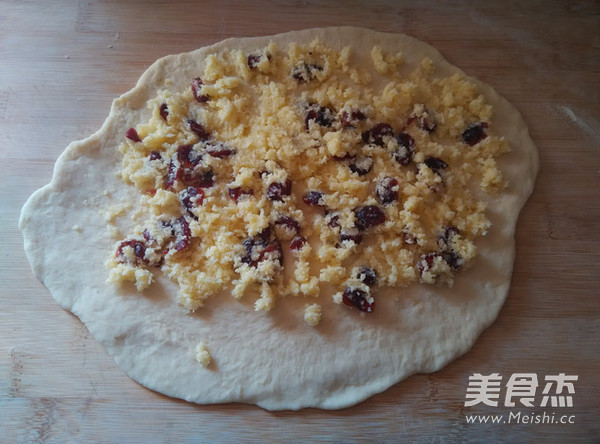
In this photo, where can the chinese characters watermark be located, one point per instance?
(521, 388)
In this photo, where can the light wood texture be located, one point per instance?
(62, 63)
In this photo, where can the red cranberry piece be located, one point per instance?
(192, 178)
(305, 72)
(254, 246)
(377, 133)
(297, 244)
(333, 220)
(273, 252)
(475, 133)
(197, 90)
(314, 198)
(154, 155)
(324, 116)
(409, 239)
(453, 259)
(288, 223)
(367, 275)
(435, 163)
(164, 111)
(181, 231)
(346, 156)
(425, 121)
(277, 190)
(361, 165)
(188, 157)
(426, 262)
(200, 131)
(352, 118)
(147, 236)
(254, 59)
(139, 251)
(444, 239)
(236, 192)
(385, 192)
(406, 147)
(132, 135)
(265, 234)
(171, 175)
(220, 151)
(355, 297)
(259, 249)
(351, 234)
(369, 216)
(192, 197)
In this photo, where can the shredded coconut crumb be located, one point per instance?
(203, 355)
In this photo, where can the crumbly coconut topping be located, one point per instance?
(274, 173)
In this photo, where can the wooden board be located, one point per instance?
(62, 63)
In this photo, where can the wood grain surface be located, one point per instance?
(62, 63)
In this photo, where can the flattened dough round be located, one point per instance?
(270, 359)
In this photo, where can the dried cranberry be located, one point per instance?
(324, 116)
(475, 133)
(139, 251)
(192, 197)
(254, 246)
(351, 234)
(426, 262)
(313, 198)
(171, 175)
(265, 234)
(369, 216)
(406, 147)
(193, 178)
(355, 297)
(361, 165)
(154, 155)
(277, 190)
(148, 236)
(272, 252)
(385, 192)
(377, 133)
(366, 275)
(408, 238)
(288, 223)
(220, 150)
(333, 220)
(444, 239)
(197, 128)
(305, 72)
(188, 157)
(424, 120)
(236, 192)
(181, 231)
(435, 163)
(254, 59)
(164, 111)
(132, 135)
(453, 259)
(259, 249)
(297, 244)
(346, 156)
(196, 90)
(352, 118)
(311, 115)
